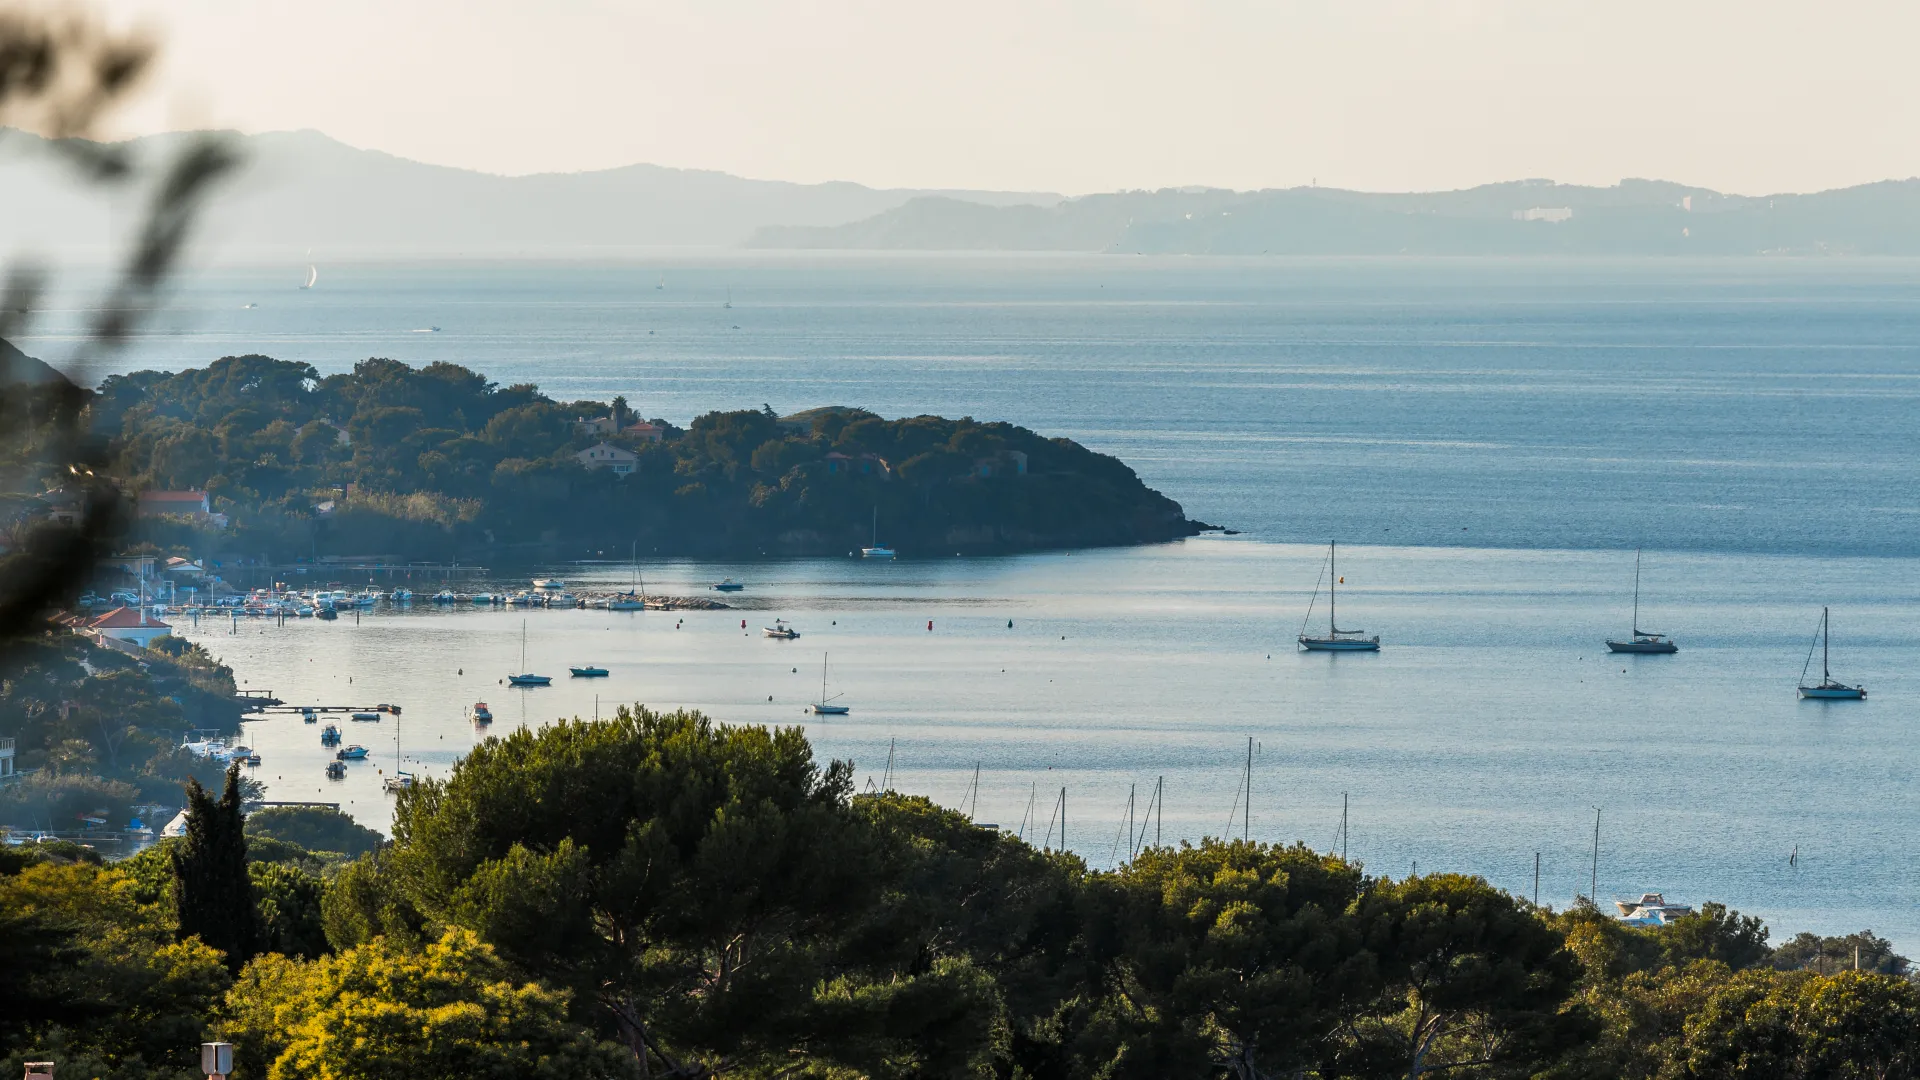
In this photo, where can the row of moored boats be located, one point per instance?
(1639, 642)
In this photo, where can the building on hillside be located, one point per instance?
(193, 505)
(1007, 463)
(860, 465)
(64, 506)
(1552, 215)
(128, 625)
(645, 429)
(598, 425)
(608, 456)
(7, 773)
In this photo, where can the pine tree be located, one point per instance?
(212, 891)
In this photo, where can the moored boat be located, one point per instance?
(780, 630)
(1642, 641)
(355, 752)
(1829, 688)
(726, 585)
(1335, 639)
(588, 672)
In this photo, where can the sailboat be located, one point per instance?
(729, 304)
(313, 277)
(1336, 639)
(1828, 688)
(634, 599)
(401, 779)
(825, 706)
(526, 679)
(1642, 641)
(876, 551)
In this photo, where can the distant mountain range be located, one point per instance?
(1528, 217)
(302, 191)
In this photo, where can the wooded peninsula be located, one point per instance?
(439, 464)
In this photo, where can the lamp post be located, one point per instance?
(216, 1060)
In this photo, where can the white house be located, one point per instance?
(126, 624)
(7, 774)
(608, 456)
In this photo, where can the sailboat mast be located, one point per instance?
(823, 678)
(1636, 590)
(1826, 674)
(875, 542)
(1333, 589)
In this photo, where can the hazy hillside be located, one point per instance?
(1633, 217)
(303, 190)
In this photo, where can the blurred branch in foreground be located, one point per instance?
(61, 74)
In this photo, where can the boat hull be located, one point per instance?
(589, 672)
(829, 710)
(1834, 693)
(529, 680)
(1313, 644)
(1643, 647)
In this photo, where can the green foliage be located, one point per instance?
(289, 902)
(106, 984)
(1235, 956)
(453, 1011)
(316, 828)
(1715, 933)
(213, 891)
(439, 462)
(1864, 951)
(364, 901)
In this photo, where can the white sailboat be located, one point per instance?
(1642, 641)
(1335, 639)
(729, 304)
(313, 277)
(825, 706)
(634, 599)
(401, 779)
(526, 679)
(1828, 689)
(876, 550)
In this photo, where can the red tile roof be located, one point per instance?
(125, 618)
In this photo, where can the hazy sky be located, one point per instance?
(1068, 95)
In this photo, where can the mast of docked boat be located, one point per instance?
(1826, 673)
(823, 678)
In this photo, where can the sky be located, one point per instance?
(1751, 96)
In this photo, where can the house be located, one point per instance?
(608, 456)
(599, 425)
(646, 429)
(340, 435)
(128, 625)
(194, 505)
(65, 507)
(7, 773)
(862, 465)
(1007, 463)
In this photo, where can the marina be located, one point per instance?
(1101, 670)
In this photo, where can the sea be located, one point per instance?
(1489, 441)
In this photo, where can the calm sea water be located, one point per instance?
(1492, 439)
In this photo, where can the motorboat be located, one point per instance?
(330, 736)
(728, 585)
(366, 717)
(308, 716)
(402, 596)
(336, 770)
(444, 596)
(1651, 909)
(386, 708)
(548, 583)
(355, 752)
(484, 598)
(1829, 689)
(589, 672)
(780, 630)
(326, 613)
(1335, 639)
(1642, 641)
(480, 713)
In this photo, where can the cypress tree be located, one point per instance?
(211, 889)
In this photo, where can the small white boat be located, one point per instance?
(1335, 639)
(444, 597)
(780, 630)
(548, 583)
(402, 596)
(356, 752)
(726, 585)
(626, 602)
(1651, 909)
(483, 598)
(399, 781)
(1829, 689)
(825, 706)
